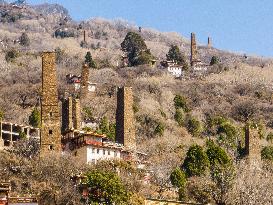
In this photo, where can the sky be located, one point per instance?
(244, 26)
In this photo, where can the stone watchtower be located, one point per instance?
(209, 42)
(252, 144)
(193, 49)
(71, 114)
(84, 80)
(125, 122)
(50, 114)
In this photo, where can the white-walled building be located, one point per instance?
(172, 68)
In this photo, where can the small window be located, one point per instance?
(98, 151)
(50, 114)
(50, 147)
(108, 152)
(104, 152)
(50, 132)
(115, 153)
(93, 150)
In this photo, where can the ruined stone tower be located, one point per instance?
(125, 123)
(50, 116)
(252, 144)
(209, 42)
(193, 49)
(71, 114)
(84, 36)
(84, 80)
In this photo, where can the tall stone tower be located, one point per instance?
(50, 114)
(252, 144)
(193, 49)
(209, 42)
(125, 122)
(71, 114)
(84, 80)
(84, 36)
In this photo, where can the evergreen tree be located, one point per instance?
(89, 60)
(106, 187)
(214, 60)
(24, 40)
(175, 55)
(196, 162)
(216, 154)
(35, 118)
(136, 49)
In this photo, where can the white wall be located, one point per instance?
(101, 153)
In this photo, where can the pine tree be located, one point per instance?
(89, 60)
(136, 49)
(175, 55)
(35, 118)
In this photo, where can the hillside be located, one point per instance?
(238, 83)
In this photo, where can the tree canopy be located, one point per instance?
(136, 49)
(175, 55)
(89, 60)
(35, 118)
(106, 188)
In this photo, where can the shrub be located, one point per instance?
(178, 178)
(179, 117)
(1, 114)
(160, 128)
(267, 153)
(216, 154)
(196, 162)
(24, 40)
(194, 126)
(269, 137)
(181, 102)
(214, 60)
(11, 55)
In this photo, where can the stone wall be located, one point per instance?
(125, 122)
(50, 115)
(209, 42)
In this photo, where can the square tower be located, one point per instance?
(71, 114)
(50, 114)
(125, 122)
(193, 49)
(84, 80)
(252, 144)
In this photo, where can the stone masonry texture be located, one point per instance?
(50, 116)
(84, 80)
(125, 122)
(252, 144)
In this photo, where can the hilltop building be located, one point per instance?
(172, 68)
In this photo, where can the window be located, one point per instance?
(115, 153)
(108, 152)
(93, 150)
(50, 147)
(50, 132)
(50, 114)
(104, 152)
(98, 151)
